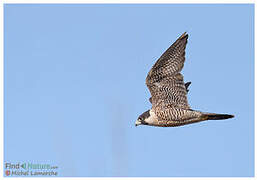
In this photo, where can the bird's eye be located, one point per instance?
(139, 119)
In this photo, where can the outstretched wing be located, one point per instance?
(186, 85)
(164, 80)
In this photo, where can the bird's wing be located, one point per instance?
(186, 85)
(164, 80)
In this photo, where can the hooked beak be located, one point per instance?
(138, 123)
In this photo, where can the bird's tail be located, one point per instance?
(213, 116)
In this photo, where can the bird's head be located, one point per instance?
(142, 119)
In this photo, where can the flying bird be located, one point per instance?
(169, 92)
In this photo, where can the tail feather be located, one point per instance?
(212, 116)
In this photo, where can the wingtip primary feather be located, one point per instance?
(183, 35)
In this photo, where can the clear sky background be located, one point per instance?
(74, 85)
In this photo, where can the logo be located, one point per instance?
(23, 165)
(30, 169)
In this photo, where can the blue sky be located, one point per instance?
(74, 84)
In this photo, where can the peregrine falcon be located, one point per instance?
(169, 92)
